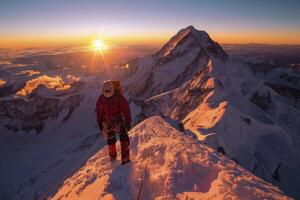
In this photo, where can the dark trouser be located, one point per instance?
(124, 140)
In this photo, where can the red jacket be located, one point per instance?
(112, 107)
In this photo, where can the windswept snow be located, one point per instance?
(50, 82)
(177, 167)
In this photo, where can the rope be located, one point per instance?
(45, 196)
(141, 186)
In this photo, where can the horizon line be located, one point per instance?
(145, 45)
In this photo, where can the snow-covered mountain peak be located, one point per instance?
(188, 38)
(225, 105)
(185, 54)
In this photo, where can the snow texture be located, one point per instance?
(178, 167)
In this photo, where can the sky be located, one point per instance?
(38, 22)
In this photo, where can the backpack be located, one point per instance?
(117, 86)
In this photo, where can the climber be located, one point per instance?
(114, 117)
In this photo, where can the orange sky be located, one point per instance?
(153, 39)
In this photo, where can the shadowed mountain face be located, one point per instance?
(247, 109)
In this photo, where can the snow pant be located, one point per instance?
(111, 130)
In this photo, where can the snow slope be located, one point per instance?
(178, 167)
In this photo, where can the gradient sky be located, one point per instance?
(27, 22)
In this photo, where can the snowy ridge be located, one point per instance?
(178, 168)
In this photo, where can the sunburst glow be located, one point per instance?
(98, 45)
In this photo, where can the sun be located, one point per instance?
(98, 45)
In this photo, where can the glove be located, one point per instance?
(127, 126)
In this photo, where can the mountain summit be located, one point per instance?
(175, 63)
(188, 38)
